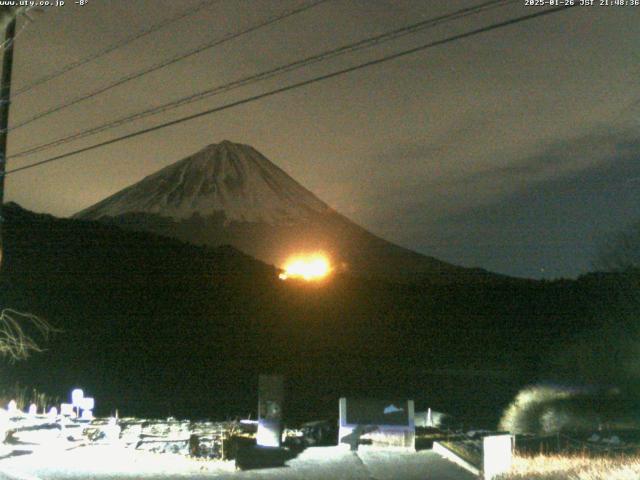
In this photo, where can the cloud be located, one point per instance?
(538, 215)
(467, 164)
(562, 158)
(551, 228)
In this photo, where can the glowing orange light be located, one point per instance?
(307, 267)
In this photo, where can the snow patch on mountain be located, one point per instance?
(228, 178)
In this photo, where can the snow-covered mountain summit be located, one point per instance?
(228, 178)
(230, 194)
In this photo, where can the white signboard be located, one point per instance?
(383, 423)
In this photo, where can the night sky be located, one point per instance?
(516, 150)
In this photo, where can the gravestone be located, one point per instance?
(87, 403)
(77, 396)
(270, 403)
(383, 423)
(66, 410)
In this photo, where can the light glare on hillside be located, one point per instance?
(307, 267)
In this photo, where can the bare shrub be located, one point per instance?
(529, 411)
(15, 343)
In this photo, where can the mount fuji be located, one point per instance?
(229, 193)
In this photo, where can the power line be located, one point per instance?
(293, 86)
(166, 63)
(349, 48)
(116, 46)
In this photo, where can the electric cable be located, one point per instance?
(166, 63)
(116, 46)
(349, 48)
(453, 38)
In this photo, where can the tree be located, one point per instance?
(15, 343)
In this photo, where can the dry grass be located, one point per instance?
(574, 467)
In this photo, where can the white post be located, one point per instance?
(497, 455)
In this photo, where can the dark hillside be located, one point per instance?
(157, 327)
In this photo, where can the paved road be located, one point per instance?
(108, 463)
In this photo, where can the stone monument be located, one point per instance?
(270, 403)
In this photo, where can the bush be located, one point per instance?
(548, 409)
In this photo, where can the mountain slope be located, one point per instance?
(231, 194)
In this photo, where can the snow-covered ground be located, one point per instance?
(114, 462)
(41, 447)
(104, 462)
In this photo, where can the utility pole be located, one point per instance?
(5, 102)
